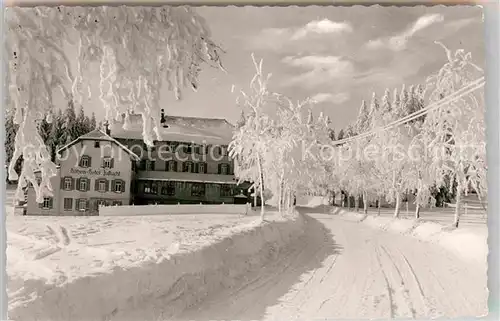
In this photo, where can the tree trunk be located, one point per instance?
(261, 177)
(398, 206)
(407, 208)
(348, 202)
(356, 203)
(379, 204)
(365, 203)
(254, 196)
(458, 204)
(417, 211)
(280, 192)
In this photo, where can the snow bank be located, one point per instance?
(468, 243)
(133, 210)
(158, 284)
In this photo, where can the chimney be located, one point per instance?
(107, 129)
(163, 120)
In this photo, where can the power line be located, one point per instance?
(478, 83)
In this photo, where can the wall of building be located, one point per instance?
(121, 171)
(183, 193)
(34, 208)
(161, 154)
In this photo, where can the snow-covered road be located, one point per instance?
(342, 269)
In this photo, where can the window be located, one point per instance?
(226, 191)
(97, 145)
(118, 187)
(85, 161)
(107, 162)
(188, 149)
(102, 186)
(172, 147)
(82, 205)
(47, 203)
(84, 184)
(168, 189)
(198, 189)
(68, 204)
(150, 188)
(150, 165)
(188, 167)
(99, 203)
(224, 169)
(172, 166)
(68, 183)
(202, 168)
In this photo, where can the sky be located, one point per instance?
(338, 56)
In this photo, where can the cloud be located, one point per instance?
(459, 24)
(332, 98)
(277, 38)
(398, 42)
(324, 26)
(318, 69)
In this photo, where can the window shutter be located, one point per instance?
(62, 182)
(196, 167)
(123, 186)
(112, 162)
(77, 204)
(88, 184)
(113, 185)
(205, 167)
(152, 165)
(72, 184)
(87, 205)
(51, 202)
(90, 161)
(77, 187)
(96, 185)
(175, 166)
(106, 185)
(219, 170)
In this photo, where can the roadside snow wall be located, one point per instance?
(160, 291)
(468, 243)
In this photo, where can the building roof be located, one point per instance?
(196, 130)
(186, 177)
(98, 134)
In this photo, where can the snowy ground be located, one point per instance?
(229, 267)
(341, 269)
(78, 257)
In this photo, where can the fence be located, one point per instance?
(133, 210)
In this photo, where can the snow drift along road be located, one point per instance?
(159, 290)
(350, 270)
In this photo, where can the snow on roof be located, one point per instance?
(181, 129)
(186, 177)
(98, 134)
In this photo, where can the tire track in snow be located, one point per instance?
(403, 290)
(428, 311)
(392, 304)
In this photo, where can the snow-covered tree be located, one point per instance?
(455, 132)
(249, 144)
(93, 122)
(138, 50)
